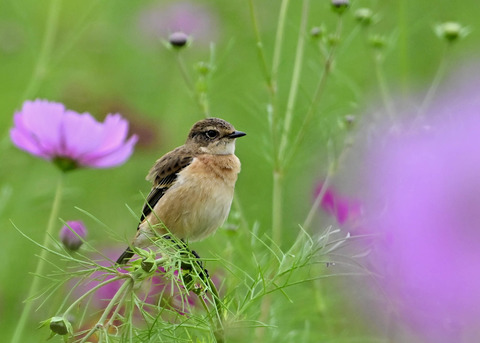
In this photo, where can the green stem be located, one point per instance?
(183, 71)
(40, 69)
(279, 41)
(382, 84)
(124, 288)
(264, 314)
(403, 39)
(90, 291)
(216, 299)
(119, 305)
(316, 97)
(52, 221)
(332, 168)
(435, 83)
(297, 68)
(199, 95)
(277, 208)
(318, 198)
(277, 172)
(259, 44)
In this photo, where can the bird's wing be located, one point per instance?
(164, 174)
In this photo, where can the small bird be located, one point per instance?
(192, 186)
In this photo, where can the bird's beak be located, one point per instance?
(236, 134)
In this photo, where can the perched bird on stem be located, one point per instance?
(192, 186)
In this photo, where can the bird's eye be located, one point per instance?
(211, 134)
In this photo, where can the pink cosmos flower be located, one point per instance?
(69, 239)
(104, 294)
(192, 18)
(423, 202)
(343, 208)
(69, 139)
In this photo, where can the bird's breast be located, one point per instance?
(199, 201)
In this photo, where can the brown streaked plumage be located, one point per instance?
(192, 186)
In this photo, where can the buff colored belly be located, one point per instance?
(199, 201)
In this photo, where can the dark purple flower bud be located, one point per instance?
(340, 6)
(70, 234)
(178, 39)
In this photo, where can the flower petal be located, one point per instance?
(115, 130)
(113, 158)
(81, 134)
(26, 142)
(48, 130)
(42, 119)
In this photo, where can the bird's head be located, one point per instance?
(214, 136)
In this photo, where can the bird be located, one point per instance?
(192, 187)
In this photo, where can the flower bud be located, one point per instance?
(364, 16)
(333, 39)
(451, 31)
(148, 264)
(72, 233)
(377, 41)
(340, 6)
(349, 120)
(203, 68)
(178, 39)
(317, 32)
(60, 325)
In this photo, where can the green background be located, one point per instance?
(99, 61)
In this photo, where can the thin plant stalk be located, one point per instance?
(277, 204)
(382, 84)
(332, 168)
(39, 270)
(124, 288)
(183, 71)
(45, 52)
(279, 41)
(260, 50)
(435, 83)
(318, 199)
(201, 97)
(277, 196)
(297, 68)
(278, 170)
(403, 56)
(90, 291)
(316, 97)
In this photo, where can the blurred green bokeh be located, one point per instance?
(101, 60)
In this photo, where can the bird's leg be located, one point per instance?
(197, 256)
(188, 266)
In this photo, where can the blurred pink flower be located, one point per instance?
(341, 207)
(159, 21)
(164, 291)
(69, 239)
(104, 294)
(424, 200)
(156, 290)
(69, 139)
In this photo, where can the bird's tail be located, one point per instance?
(125, 256)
